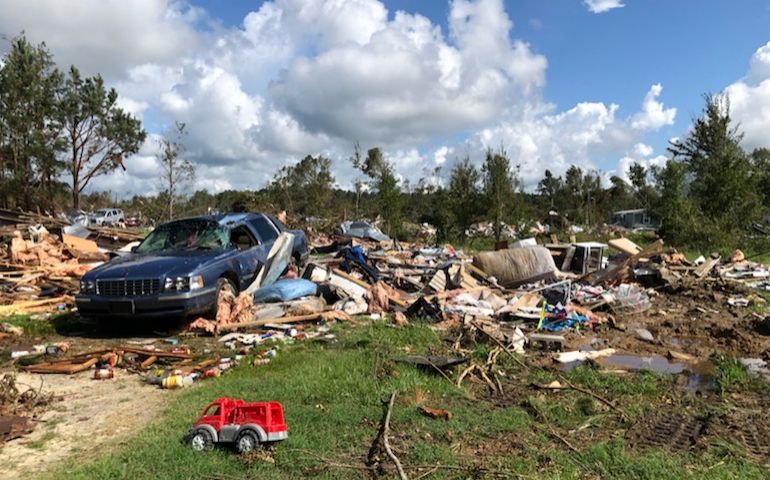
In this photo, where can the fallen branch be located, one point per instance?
(440, 371)
(572, 386)
(382, 438)
(501, 345)
(551, 430)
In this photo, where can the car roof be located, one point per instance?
(223, 219)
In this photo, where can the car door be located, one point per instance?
(266, 232)
(247, 246)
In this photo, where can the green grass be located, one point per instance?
(732, 376)
(40, 443)
(331, 395)
(33, 328)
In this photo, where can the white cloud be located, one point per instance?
(105, 36)
(601, 6)
(440, 155)
(537, 141)
(625, 163)
(537, 138)
(642, 150)
(217, 112)
(750, 100)
(407, 83)
(653, 114)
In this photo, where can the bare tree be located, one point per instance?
(176, 169)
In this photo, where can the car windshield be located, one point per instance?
(101, 213)
(185, 235)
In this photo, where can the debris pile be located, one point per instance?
(41, 271)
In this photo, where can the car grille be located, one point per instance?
(128, 288)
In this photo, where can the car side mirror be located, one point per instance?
(134, 248)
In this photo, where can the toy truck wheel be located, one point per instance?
(201, 439)
(247, 441)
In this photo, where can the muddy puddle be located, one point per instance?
(696, 376)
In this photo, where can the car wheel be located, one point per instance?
(201, 439)
(247, 442)
(223, 285)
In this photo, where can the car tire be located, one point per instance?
(247, 441)
(223, 284)
(201, 439)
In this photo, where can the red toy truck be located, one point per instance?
(247, 424)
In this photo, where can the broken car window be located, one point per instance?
(242, 238)
(185, 235)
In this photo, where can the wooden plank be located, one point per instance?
(391, 296)
(157, 353)
(77, 244)
(63, 368)
(625, 245)
(704, 268)
(148, 361)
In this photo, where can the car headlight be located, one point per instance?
(87, 286)
(183, 284)
(196, 282)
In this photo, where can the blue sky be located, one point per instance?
(596, 83)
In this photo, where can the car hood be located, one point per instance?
(138, 265)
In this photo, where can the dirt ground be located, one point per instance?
(105, 412)
(692, 319)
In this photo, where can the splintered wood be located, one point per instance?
(43, 265)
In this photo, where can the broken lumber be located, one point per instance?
(62, 367)
(148, 361)
(625, 245)
(612, 274)
(155, 353)
(261, 323)
(705, 268)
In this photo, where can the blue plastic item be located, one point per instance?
(285, 290)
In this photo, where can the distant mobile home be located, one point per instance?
(633, 219)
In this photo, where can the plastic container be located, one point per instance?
(173, 381)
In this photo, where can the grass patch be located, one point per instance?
(730, 373)
(40, 443)
(34, 327)
(331, 395)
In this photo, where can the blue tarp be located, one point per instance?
(285, 290)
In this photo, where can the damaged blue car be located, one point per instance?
(183, 266)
